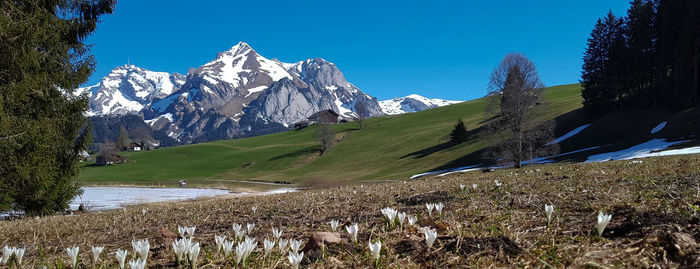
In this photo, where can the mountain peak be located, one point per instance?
(238, 49)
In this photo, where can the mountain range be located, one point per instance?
(412, 103)
(238, 94)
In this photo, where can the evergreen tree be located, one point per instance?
(459, 133)
(657, 64)
(42, 127)
(640, 57)
(601, 68)
(679, 52)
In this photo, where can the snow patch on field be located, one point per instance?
(691, 150)
(658, 127)
(642, 150)
(569, 134)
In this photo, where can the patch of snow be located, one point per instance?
(163, 104)
(658, 127)
(540, 160)
(569, 134)
(691, 150)
(168, 116)
(117, 101)
(272, 69)
(256, 89)
(638, 151)
(103, 198)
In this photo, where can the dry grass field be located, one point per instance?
(654, 204)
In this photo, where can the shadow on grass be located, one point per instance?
(297, 153)
(472, 134)
(473, 158)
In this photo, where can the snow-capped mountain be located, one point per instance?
(128, 89)
(240, 93)
(412, 103)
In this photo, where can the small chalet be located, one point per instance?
(301, 124)
(108, 159)
(135, 146)
(324, 116)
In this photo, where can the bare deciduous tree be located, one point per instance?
(361, 111)
(325, 136)
(514, 87)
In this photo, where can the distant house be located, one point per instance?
(135, 146)
(324, 116)
(108, 159)
(301, 125)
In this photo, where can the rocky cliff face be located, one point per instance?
(240, 93)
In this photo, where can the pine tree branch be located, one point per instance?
(12, 136)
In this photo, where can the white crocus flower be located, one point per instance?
(294, 245)
(267, 246)
(498, 183)
(73, 255)
(295, 259)
(96, 251)
(412, 220)
(121, 257)
(241, 249)
(603, 221)
(228, 247)
(238, 229)
(474, 186)
(375, 249)
(181, 230)
(7, 254)
(352, 230)
(193, 254)
(137, 264)
(254, 208)
(430, 207)
(181, 248)
(219, 240)
(249, 227)
(401, 216)
(282, 245)
(548, 210)
(190, 231)
(277, 233)
(334, 224)
(439, 207)
(430, 236)
(19, 253)
(141, 247)
(250, 245)
(390, 215)
(461, 187)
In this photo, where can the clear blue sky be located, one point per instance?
(439, 49)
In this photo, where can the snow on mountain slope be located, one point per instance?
(412, 103)
(128, 89)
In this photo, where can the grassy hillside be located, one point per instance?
(386, 148)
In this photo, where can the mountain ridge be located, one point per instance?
(238, 94)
